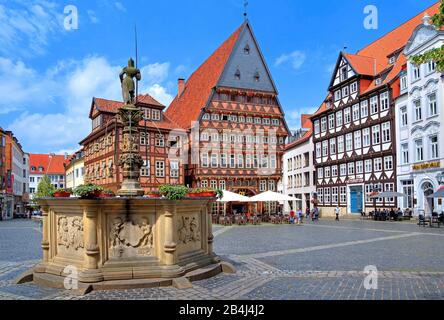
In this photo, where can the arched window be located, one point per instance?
(427, 187)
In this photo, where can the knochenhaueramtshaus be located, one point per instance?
(230, 104)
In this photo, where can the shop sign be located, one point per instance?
(427, 165)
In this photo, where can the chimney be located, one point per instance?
(180, 86)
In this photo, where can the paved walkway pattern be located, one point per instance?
(325, 260)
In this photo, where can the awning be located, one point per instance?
(232, 197)
(389, 194)
(271, 196)
(437, 194)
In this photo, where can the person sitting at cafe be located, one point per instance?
(392, 214)
(408, 213)
(299, 216)
(292, 217)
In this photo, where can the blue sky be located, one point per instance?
(48, 75)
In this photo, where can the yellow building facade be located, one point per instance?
(75, 170)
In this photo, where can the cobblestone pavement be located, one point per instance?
(324, 261)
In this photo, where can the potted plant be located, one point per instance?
(204, 193)
(175, 192)
(88, 191)
(154, 194)
(62, 193)
(107, 193)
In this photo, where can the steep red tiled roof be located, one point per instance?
(392, 42)
(362, 65)
(147, 99)
(186, 108)
(394, 39)
(305, 121)
(52, 164)
(105, 105)
(111, 106)
(379, 50)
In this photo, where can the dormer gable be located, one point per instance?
(343, 71)
(421, 35)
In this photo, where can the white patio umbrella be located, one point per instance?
(389, 194)
(271, 196)
(232, 197)
(228, 196)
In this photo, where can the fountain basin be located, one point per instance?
(126, 242)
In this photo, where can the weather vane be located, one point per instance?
(245, 7)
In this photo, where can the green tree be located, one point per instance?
(436, 54)
(45, 188)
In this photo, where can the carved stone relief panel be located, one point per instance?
(70, 234)
(130, 237)
(189, 233)
(189, 230)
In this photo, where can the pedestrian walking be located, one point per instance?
(299, 216)
(337, 212)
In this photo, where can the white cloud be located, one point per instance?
(21, 86)
(120, 6)
(296, 59)
(50, 131)
(27, 26)
(160, 94)
(181, 70)
(156, 72)
(92, 16)
(74, 84)
(66, 151)
(294, 116)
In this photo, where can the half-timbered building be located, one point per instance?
(354, 129)
(230, 104)
(102, 146)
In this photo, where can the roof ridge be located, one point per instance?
(215, 51)
(186, 107)
(359, 55)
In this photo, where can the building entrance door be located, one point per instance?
(429, 203)
(356, 200)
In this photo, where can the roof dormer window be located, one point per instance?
(392, 60)
(378, 81)
(237, 75)
(247, 49)
(257, 77)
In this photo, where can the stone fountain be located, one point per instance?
(128, 241)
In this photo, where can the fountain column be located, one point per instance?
(45, 233)
(92, 249)
(170, 244)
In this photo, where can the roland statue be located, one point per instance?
(127, 76)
